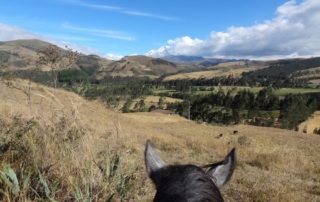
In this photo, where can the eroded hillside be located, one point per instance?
(84, 151)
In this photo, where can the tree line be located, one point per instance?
(264, 108)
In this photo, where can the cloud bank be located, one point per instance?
(293, 32)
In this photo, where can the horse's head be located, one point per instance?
(188, 183)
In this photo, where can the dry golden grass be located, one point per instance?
(79, 138)
(311, 124)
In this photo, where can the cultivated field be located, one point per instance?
(74, 149)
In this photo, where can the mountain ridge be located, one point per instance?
(21, 55)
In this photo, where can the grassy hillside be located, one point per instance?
(23, 55)
(282, 70)
(312, 75)
(63, 147)
(139, 66)
(233, 69)
(20, 54)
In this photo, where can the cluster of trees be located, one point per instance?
(114, 90)
(248, 79)
(264, 108)
(297, 108)
(139, 106)
(281, 73)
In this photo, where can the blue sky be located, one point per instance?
(158, 27)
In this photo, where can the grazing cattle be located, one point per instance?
(188, 183)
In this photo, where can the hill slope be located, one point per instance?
(194, 60)
(285, 68)
(139, 66)
(20, 54)
(94, 151)
(233, 69)
(23, 55)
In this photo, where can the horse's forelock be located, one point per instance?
(185, 183)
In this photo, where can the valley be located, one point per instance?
(60, 136)
(74, 128)
(164, 101)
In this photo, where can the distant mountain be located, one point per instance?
(22, 55)
(195, 60)
(139, 66)
(183, 58)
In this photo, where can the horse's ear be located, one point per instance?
(222, 171)
(152, 160)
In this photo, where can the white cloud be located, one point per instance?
(8, 33)
(149, 15)
(179, 46)
(112, 56)
(294, 31)
(117, 9)
(100, 32)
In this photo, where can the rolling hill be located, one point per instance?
(295, 69)
(311, 74)
(22, 55)
(139, 66)
(75, 149)
(233, 69)
(287, 67)
(195, 60)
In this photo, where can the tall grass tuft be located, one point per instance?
(58, 162)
